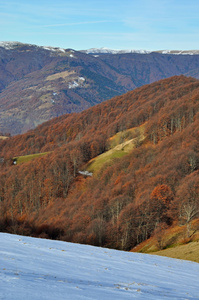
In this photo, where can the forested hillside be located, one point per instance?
(121, 205)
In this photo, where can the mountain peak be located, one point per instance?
(14, 45)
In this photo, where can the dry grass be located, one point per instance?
(3, 137)
(188, 251)
(120, 144)
(97, 163)
(126, 135)
(174, 242)
(64, 74)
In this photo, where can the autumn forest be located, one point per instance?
(154, 184)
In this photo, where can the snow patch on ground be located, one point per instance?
(41, 269)
(53, 49)
(85, 173)
(81, 79)
(75, 84)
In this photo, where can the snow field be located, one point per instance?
(33, 268)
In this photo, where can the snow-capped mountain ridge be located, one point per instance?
(104, 50)
(177, 52)
(13, 45)
(9, 45)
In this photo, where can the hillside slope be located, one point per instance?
(40, 83)
(188, 251)
(153, 185)
(43, 269)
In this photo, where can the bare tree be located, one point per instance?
(188, 199)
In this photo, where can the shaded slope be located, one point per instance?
(40, 83)
(148, 68)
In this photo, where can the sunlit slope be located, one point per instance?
(174, 243)
(119, 145)
(188, 251)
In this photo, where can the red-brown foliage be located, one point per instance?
(127, 200)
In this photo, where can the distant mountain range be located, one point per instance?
(104, 50)
(39, 83)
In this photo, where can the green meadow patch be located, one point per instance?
(120, 144)
(95, 164)
(23, 159)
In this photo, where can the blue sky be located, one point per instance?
(116, 24)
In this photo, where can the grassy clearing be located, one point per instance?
(26, 158)
(3, 137)
(96, 164)
(64, 74)
(45, 97)
(126, 135)
(120, 144)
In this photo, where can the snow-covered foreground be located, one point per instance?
(43, 269)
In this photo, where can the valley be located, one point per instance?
(38, 83)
